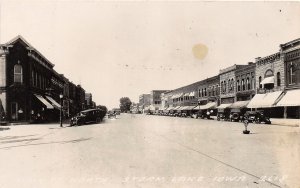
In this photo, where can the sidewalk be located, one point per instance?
(285, 122)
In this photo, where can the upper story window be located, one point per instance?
(243, 85)
(248, 84)
(259, 82)
(292, 74)
(278, 79)
(238, 85)
(18, 73)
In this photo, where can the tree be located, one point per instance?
(125, 104)
(103, 110)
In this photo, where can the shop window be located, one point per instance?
(18, 74)
(278, 79)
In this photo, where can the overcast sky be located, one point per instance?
(116, 49)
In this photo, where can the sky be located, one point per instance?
(124, 49)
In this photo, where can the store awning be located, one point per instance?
(291, 98)
(268, 80)
(198, 107)
(54, 103)
(170, 108)
(181, 108)
(177, 107)
(256, 101)
(209, 105)
(239, 104)
(44, 101)
(190, 107)
(267, 100)
(223, 106)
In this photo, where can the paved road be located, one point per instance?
(150, 151)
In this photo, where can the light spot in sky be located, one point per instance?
(200, 51)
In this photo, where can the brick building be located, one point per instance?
(30, 88)
(290, 53)
(228, 84)
(245, 82)
(155, 99)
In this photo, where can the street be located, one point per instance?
(137, 150)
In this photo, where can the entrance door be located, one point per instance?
(14, 111)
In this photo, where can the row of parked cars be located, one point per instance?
(238, 115)
(88, 116)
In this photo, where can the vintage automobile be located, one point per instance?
(87, 116)
(257, 117)
(111, 114)
(204, 114)
(223, 114)
(236, 114)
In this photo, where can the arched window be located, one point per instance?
(248, 84)
(224, 86)
(278, 79)
(243, 85)
(269, 73)
(238, 85)
(259, 81)
(232, 85)
(18, 73)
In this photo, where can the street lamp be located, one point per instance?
(60, 114)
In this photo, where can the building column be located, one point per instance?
(284, 112)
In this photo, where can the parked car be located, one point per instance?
(257, 117)
(204, 114)
(87, 116)
(223, 114)
(111, 114)
(236, 115)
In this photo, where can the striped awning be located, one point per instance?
(53, 102)
(44, 101)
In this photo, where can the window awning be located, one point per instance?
(223, 106)
(44, 101)
(267, 100)
(187, 94)
(54, 103)
(268, 80)
(209, 105)
(291, 98)
(239, 104)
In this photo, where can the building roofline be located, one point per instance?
(30, 47)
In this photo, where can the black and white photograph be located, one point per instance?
(149, 94)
